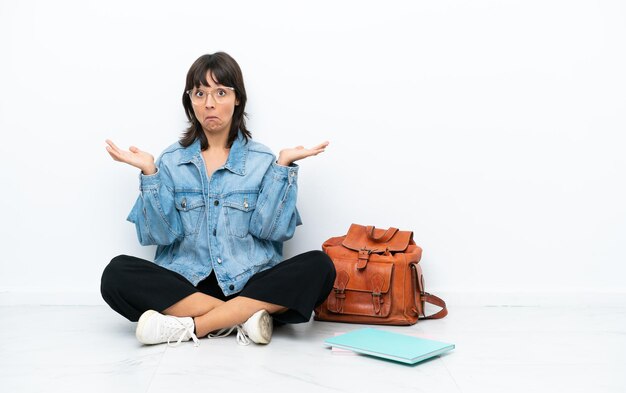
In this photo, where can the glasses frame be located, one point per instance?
(209, 93)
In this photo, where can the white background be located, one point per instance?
(492, 129)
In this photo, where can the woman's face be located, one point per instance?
(214, 105)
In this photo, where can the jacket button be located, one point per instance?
(183, 204)
(216, 203)
(219, 260)
(231, 287)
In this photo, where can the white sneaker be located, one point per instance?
(156, 328)
(258, 329)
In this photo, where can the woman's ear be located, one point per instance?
(237, 102)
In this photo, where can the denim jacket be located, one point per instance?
(233, 222)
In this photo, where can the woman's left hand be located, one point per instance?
(289, 156)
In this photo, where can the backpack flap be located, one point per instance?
(378, 241)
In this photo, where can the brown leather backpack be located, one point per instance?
(379, 280)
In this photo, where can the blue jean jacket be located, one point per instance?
(233, 222)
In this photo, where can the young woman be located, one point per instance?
(218, 206)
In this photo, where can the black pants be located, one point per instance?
(132, 286)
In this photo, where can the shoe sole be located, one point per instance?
(264, 320)
(141, 325)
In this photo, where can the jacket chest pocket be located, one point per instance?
(190, 206)
(238, 209)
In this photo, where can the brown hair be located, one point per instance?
(226, 72)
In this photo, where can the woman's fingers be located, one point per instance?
(319, 148)
(117, 153)
(321, 145)
(113, 146)
(113, 150)
(304, 153)
(316, 149)
(113, 153)
(114, 157)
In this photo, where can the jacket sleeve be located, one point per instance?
(154, 214)
(276, 216)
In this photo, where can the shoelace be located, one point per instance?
(183, 330)
(242, 337)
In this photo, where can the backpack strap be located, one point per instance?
(422, 296)
(437, 301)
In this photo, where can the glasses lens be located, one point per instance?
(197, 96)
(219, 95)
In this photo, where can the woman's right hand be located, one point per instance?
(135, 157)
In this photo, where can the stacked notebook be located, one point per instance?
(388, 345)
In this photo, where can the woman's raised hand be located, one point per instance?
(135, 157)
(287, 156)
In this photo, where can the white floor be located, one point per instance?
(498, 349)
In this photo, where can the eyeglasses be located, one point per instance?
(220, 94)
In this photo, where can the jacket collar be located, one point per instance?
(235, 163)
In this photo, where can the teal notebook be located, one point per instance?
(388, 345)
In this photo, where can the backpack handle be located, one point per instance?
(384, 238)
